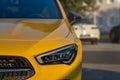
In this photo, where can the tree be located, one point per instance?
(80, 6)
(92, 7)
(73, 5)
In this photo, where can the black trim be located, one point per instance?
(23, 68)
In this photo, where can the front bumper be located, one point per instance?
(52, 72)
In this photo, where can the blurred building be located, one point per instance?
(108, 14)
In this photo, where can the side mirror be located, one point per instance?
(74, 17)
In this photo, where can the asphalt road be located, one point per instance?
(101, 61)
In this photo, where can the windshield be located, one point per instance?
(29, 9)
(86, 21)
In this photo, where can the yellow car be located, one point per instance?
(37, 42)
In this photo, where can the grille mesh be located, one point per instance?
(15, 68)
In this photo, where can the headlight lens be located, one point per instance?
(63, 55)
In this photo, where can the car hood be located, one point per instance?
(21, 35)
(30, 29)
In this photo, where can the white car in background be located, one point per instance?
(86, 31)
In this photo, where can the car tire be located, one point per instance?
(113, 37)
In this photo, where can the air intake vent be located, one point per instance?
(15, 68)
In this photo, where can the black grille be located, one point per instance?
(15, 68)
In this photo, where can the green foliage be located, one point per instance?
(80, 6)
(91, 5)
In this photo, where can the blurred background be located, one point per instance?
(99, 31)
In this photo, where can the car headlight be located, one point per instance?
(65, 55)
